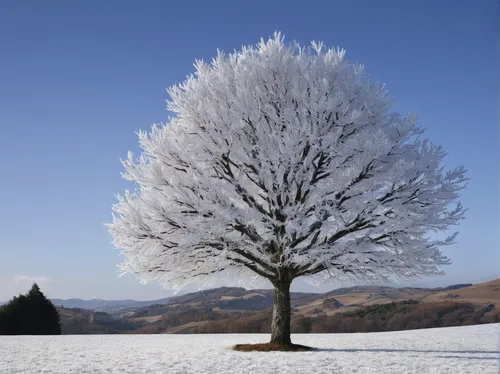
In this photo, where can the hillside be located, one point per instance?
(233, 309)
(83, 321)
(108, 306)
(395, 316)
(478, 294)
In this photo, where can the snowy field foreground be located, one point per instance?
(472, 349)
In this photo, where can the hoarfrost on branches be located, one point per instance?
(280, 162)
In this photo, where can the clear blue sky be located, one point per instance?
(77, 79)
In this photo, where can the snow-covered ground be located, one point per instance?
(473, 349)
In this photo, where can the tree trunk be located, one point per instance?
(280, 325)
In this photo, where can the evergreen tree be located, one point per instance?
(30, 314)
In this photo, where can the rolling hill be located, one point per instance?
(249, 310)
(480, 294)
(108, 306)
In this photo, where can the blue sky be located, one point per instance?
(78, 79)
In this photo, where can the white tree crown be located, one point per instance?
(283, 161)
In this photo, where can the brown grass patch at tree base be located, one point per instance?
(268, 347)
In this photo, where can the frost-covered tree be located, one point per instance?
(283, 162)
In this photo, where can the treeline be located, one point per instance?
(30, 314)
(405, 315)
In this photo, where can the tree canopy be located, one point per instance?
(283, 159)
(282, 162)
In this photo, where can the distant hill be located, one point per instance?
(84, 321)
(242, 295)
(478, 294)
(109, 306)
(233, 309)
(394, 316)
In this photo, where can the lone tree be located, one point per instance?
(30, 314)
(283, 162)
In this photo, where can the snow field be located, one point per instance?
(471, 349)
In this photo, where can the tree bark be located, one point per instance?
(280, 324)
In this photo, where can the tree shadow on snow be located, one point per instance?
(491, 355)
(471, 357)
